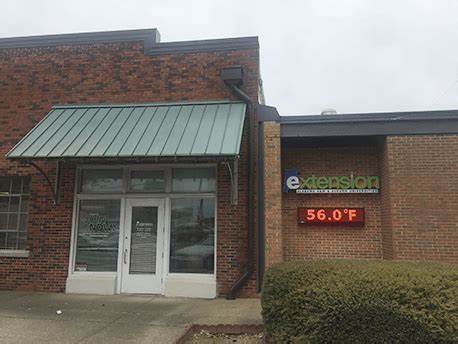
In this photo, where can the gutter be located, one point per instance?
(233, 78)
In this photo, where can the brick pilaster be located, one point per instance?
(272, 194)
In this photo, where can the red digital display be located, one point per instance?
(335, 216)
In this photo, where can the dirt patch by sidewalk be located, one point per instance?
(204, 337)
(223, 334)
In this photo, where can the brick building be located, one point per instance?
(134, 166)
(409, 213)
(141, 156)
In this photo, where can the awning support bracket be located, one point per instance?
(55, 189)
(233, 168)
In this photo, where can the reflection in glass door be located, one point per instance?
(143, 245)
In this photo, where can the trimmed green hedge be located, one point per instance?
(361, 302)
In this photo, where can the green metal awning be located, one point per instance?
(136, 130)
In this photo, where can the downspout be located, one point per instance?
(233, 83)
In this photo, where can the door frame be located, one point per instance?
(130, 202)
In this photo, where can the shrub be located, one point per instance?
(361, 302)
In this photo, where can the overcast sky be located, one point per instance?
(351, 55)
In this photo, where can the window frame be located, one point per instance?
(169, 235)
(75, 248)
(80, 180)
(190, 192)
(131, 169)
(125, 194)
(17, 251)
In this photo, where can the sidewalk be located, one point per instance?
(31, 317)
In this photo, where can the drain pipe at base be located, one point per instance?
(233, 78)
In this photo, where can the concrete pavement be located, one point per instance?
(31, 317)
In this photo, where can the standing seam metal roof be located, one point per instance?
(136, 130)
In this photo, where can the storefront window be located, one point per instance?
(147, 181)
(101, 180)
(98, 235)
(14, 202)
(193, 180)
(192, 239)
(192, 229)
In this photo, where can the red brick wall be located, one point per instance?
(273, 228)
(48, 237)
(32, 80)
(414, 217)
(232, 229)
(422, 173)
(302, 242)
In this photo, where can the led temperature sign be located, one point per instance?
(326, 215)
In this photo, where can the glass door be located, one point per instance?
(143, 241)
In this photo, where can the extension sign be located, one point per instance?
(330, 184)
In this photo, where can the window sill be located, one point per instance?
(14, 253)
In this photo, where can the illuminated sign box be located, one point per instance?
(348, 216)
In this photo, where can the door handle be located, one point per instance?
(125, 256)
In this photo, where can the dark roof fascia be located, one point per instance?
(149, 37)
(204, 45)
(372, 117)
(370, 128)
(371, 124)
